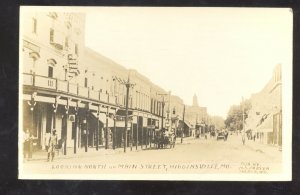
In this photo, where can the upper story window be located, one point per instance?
(51, 65)
(50, 71)
(76, 49)
(85, 82)
(66, 43)
(51, 35)
(34, 25)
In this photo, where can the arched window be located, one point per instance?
(51, 64)
(34, 55)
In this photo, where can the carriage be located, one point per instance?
(163, 140)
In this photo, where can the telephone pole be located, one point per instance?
(243, 134)
(183, 123)
(127, 84)
(163, 108)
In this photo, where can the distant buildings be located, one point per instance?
(265, 116)
(196, 115)
(81, 94)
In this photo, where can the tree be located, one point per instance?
(218, 122)
(234, 120)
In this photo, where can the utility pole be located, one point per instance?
(65, 129)
(76, 126)
(126, 114)
(163, 106)
(127, 84)
(137, 132)
(162, 114)
(106, 129)
(97, 129)
(243, 134)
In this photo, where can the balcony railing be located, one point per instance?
(27, 79)
(45, 82)
(83, 91)
(62, 86)
(73, 88)
(94, 95)
(66, 87)
(103, 97)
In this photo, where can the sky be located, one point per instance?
(219, 54)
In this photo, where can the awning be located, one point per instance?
(102, 119)
(267, 125)
(188, 124)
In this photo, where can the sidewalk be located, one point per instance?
(41, 155)
(269, 150)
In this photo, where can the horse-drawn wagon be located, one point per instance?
(164, 140)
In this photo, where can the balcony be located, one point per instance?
(73, 88)
(66, 87)
(94, 95)
(27, 79)
(103, 97)
(62, 86)
(83, 91)
(112, 99)
(45, 82)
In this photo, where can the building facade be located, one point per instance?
(51, 56)
(265, 116)
(80, 93)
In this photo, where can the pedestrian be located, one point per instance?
(52, 144)
(26, 144)
(226, 135)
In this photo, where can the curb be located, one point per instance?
(109, 151)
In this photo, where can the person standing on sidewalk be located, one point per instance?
(52, 145)
(26, 144)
